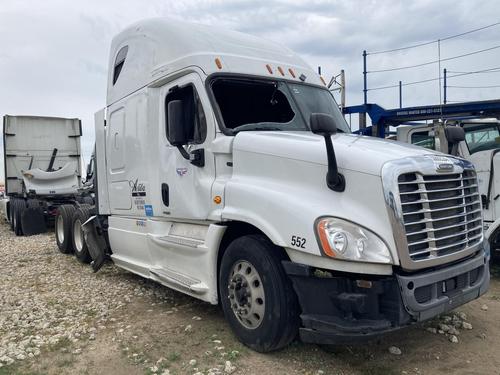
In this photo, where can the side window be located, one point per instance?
(423, 139)
(119, 61)
(196, 124)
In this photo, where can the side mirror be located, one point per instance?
(324, 124)
(454, 135)
(178, 133)
(176, 123)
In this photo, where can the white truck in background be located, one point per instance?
(42, 170)
(480, 144)
(225, 170)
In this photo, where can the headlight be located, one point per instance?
(342, 239)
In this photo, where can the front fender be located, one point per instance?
(283, 209)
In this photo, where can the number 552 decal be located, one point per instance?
(298, 242)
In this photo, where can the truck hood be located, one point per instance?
(354, 152)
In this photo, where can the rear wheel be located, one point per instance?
(256, 295)
(80, 216)
(19, 206)
(63, 228)
(11, 216)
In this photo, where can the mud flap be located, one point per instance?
(33, 221)
(95, 243)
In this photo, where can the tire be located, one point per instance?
(271, 322)
(494, 242)
(80, 216)
(63, 227)
(19, 206)
(11, 216)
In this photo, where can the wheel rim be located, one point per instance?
(246, 294)
(78, 235)
(60, 228)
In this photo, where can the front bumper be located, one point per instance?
(342, 308)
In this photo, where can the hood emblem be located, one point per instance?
(442, 163)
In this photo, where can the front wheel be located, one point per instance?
(256, 295)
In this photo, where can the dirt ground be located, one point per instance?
(156, 330)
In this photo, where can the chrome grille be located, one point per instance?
(441, 213)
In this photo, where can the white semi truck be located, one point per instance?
(42, 170)
(479, 144)
(225, 170)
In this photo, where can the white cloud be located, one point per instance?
(53, 54)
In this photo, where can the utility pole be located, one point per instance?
(400, 94)
(362, 116)
(342, 88)
(444, 86)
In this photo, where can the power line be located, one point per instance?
(474, 87)
(434, 41)
(434, 61)
(490, 70)
(494, 70)
(459, 74)
(404, 84)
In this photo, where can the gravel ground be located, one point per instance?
(57, 317)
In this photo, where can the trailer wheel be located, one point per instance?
(11, 215)
(256, 295)
(63, 228)
(80, 216)
(19, 207)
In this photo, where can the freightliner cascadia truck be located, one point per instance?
(225, 170)
(42, 170)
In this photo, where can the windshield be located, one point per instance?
(482, 137)
(246, 104)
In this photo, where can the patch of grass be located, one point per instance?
(233, 355)
(62, 343)
(173, 356)
(66, 362)
(15, 369)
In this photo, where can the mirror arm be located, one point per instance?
(334, 179)
(183, 152)
(196, 157)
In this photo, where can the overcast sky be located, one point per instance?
(53, 53)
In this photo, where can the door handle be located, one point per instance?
(165, 194)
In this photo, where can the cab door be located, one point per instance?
(185, 184)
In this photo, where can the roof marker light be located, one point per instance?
(269, 68)
(292, 73)
(218, 63)
(281, 71)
